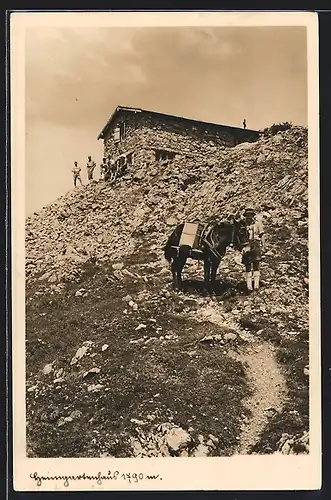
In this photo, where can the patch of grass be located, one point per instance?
(161, 380)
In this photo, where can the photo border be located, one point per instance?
(98, 459)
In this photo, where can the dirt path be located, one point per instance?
(269, 386)
(264, 375)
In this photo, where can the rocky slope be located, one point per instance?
(99, 248)
(109, 221)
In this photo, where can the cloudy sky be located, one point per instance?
(76, 77)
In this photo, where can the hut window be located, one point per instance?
(123, 130)
(117, 134)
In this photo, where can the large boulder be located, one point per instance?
(178, 439)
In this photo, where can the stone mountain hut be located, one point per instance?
(134, 136)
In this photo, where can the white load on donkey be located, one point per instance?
(191, 236)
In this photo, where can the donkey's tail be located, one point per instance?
(173, 241)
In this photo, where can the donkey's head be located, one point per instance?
(221, 234)
(240, 234)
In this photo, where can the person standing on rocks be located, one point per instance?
(103, 169)
(252, 250)
(114, 167)
(90, 168)
(76, 173)
(108, 171)
(244, 123)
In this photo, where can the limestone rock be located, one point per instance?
(79, 354)
(201, 450)
(139, 175)
(118, 266)
(90, 373)
(171, 221)
(178, 438)
(230, 336)
(48, 369)
(95, 387)
(75, 414)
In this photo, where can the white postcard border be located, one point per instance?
(270, 472)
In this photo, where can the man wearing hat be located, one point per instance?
(252, 250)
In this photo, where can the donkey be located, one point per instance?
(213, 244)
